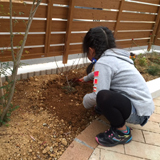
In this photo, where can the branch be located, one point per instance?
(11, 32)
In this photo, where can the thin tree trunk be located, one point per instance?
(1, 92)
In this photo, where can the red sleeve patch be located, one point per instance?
(94, 89)
(96, 73)
(95, 81)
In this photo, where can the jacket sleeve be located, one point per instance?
(102, 80)
(89, 77)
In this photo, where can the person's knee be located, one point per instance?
(103, 98)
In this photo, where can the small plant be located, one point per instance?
(142, 60)
(154, 70)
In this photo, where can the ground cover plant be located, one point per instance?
(51, 113)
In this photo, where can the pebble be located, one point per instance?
(64, 141)
(46, 150)
(51, 149)
(30, 150)
(36, 79)
(44, 124)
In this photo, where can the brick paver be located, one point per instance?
(109, 155)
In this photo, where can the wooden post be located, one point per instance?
(155, 27)
(48, 26)
(68, 31)
(118, 17)
(157, 33)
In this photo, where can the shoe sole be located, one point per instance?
(112, 145)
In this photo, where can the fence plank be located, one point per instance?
(36, 26)
(85, 26)
(132, 35)
(31, 40)
(57, 39)
(118, 17)
(148, 1)
(137, 17)
(58, 26)
(157, 42)
(48, 26)
(68, 31)
(135, 26)
(108, 4)
(54, 49)
(130, 44)
(60, 12)
(28, 53)
(21, 10)
(129, 6)
(94, 14)
(63, 2)
(43, 1)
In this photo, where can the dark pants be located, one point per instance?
(114, 106)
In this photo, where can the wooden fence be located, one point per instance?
(60, 25)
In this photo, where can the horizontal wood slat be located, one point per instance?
(60, 12)
(28, 53)
(136, 43)
(129, 6)
(64, 2)
(20, 26)
(85, 26)
(58, 26)
(57, 38)
(137, 17)
(94, 14)
(148, 1)
(73, 49)
(132, 35)
(43, 1)
(158, 42)
(108, 4)
(37, 39)
(20, 7)
(56, 49)
(135, 26)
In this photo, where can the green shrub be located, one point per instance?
(154, 70)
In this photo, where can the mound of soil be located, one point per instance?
(50, 116)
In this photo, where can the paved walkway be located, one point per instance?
(145, 143)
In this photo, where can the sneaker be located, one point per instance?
(113, 137)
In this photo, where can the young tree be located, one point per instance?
(16, 59)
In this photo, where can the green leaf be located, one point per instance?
(26, 51)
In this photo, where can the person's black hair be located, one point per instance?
(100, 39)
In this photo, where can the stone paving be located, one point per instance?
(145, 143)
